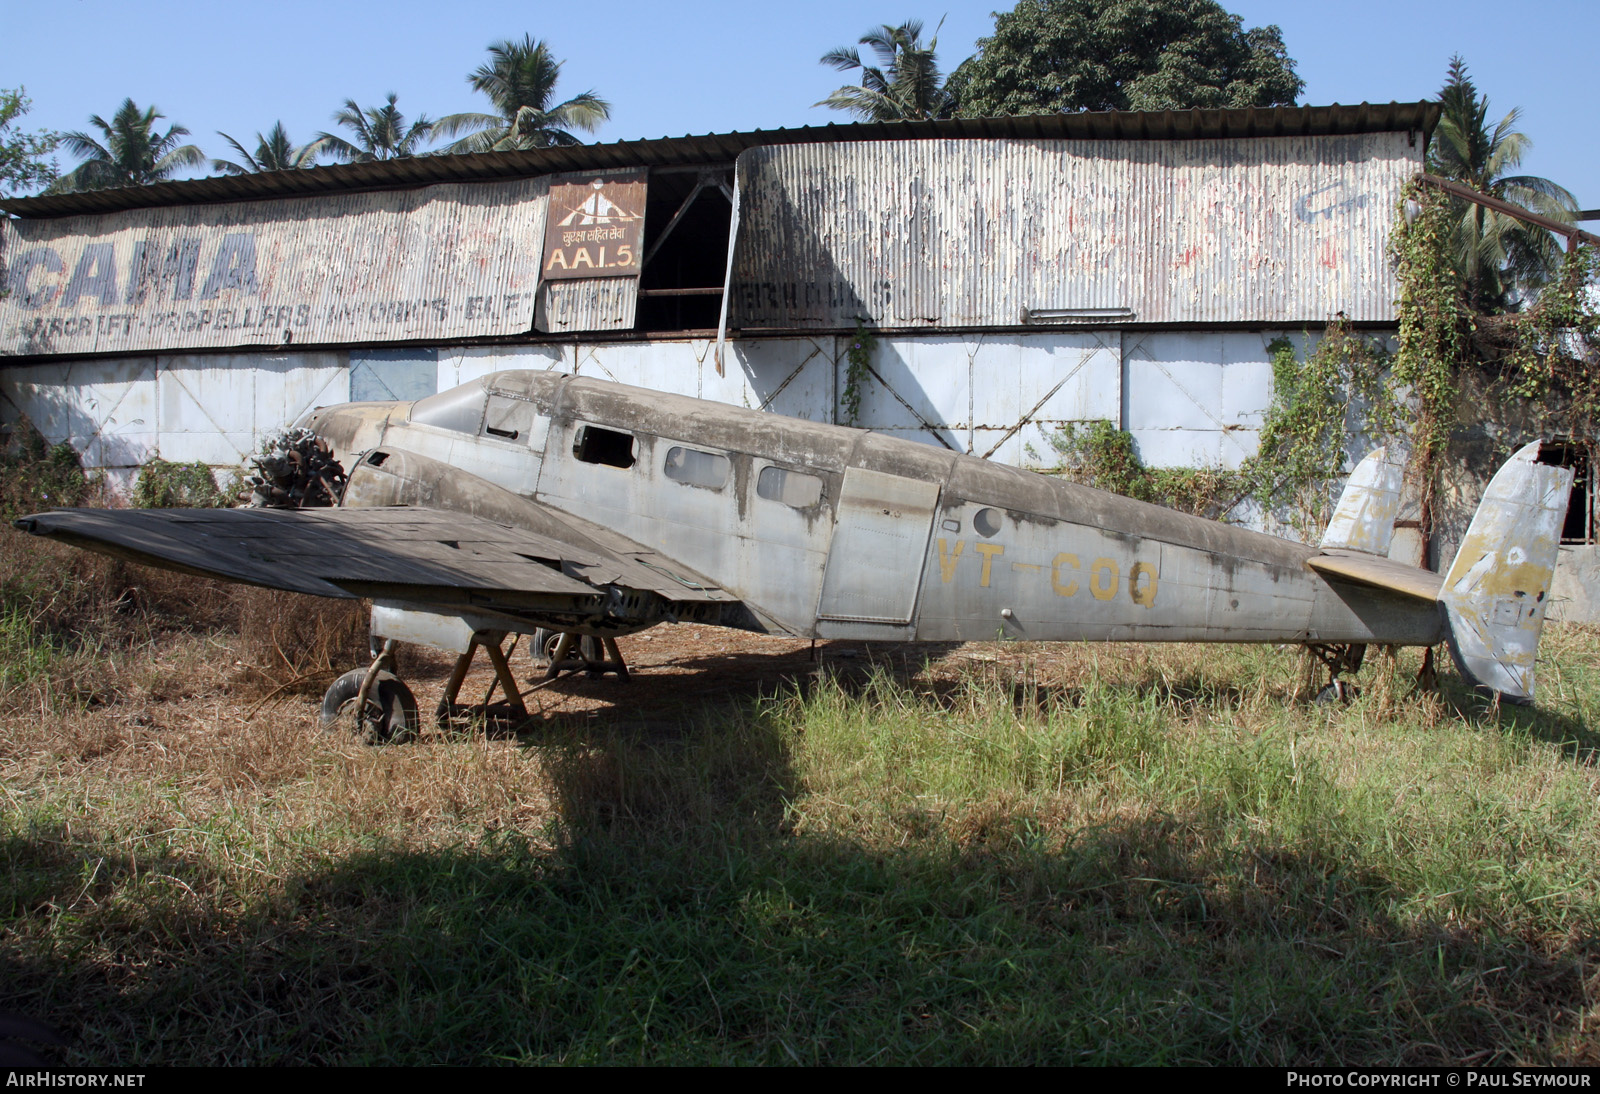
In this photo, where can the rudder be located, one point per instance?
(1364, 518)
(1497, 590)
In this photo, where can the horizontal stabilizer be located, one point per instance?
(1381, 573)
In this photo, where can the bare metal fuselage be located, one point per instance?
(831, 532)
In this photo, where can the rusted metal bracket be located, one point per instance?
(491, 644)
(1340, 657)
(503, 677)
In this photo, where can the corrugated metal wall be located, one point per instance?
(972, 233)
(441, 262)
(602, 303)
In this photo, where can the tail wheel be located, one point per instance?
(391, 709)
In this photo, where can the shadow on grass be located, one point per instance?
(1577, 740)
(673, 914)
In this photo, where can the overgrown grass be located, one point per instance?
(1105, 854)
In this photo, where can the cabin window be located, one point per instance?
(595, 445)
(459, 409)
(695, 468)
(986, 522)
(794, 488)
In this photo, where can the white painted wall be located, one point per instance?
(1190, 398)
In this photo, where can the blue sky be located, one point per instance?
(701, 66)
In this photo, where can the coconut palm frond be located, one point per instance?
(520, 80)
(1502, 260)
(130, 151)
(905, 84)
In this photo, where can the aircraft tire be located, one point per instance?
(391, 715)
(544, 646)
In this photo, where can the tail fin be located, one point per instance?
(1496, 592)
(1364, 520)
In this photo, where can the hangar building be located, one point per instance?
(1019, 274)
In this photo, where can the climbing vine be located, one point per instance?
(1099, 454)
(858, 371)
(1434, 325)
(1550, 350)
(1316, 401)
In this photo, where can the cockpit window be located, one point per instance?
(460, 409)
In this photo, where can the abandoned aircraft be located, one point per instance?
(536, 500)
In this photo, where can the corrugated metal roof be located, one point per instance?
(1277, 121)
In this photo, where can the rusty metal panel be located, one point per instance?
(985, 233)
(441, 262)
(721, 148)
(588, 305)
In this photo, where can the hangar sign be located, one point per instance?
(596, 225)
(441, 262)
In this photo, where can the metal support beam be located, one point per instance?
(707, 180)
(1488, 201)
(502, 674)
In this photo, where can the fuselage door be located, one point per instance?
(880, 543)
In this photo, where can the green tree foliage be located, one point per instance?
(906, 83)
(132, 151)
(22, 155)
(381, 133)
(1054, 55)
(1500, 259)
(274, 152)
(520, 80)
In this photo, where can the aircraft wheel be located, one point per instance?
(391, 714)
(544, 646)
(1336, 692)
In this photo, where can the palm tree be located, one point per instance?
(274, 152)
(134, 152)
(1501, 259)
(520, 80)
(907, 86)
(381, 134)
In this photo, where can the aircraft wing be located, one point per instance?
(427, 555)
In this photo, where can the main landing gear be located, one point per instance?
(379, 701)
(384, 709)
